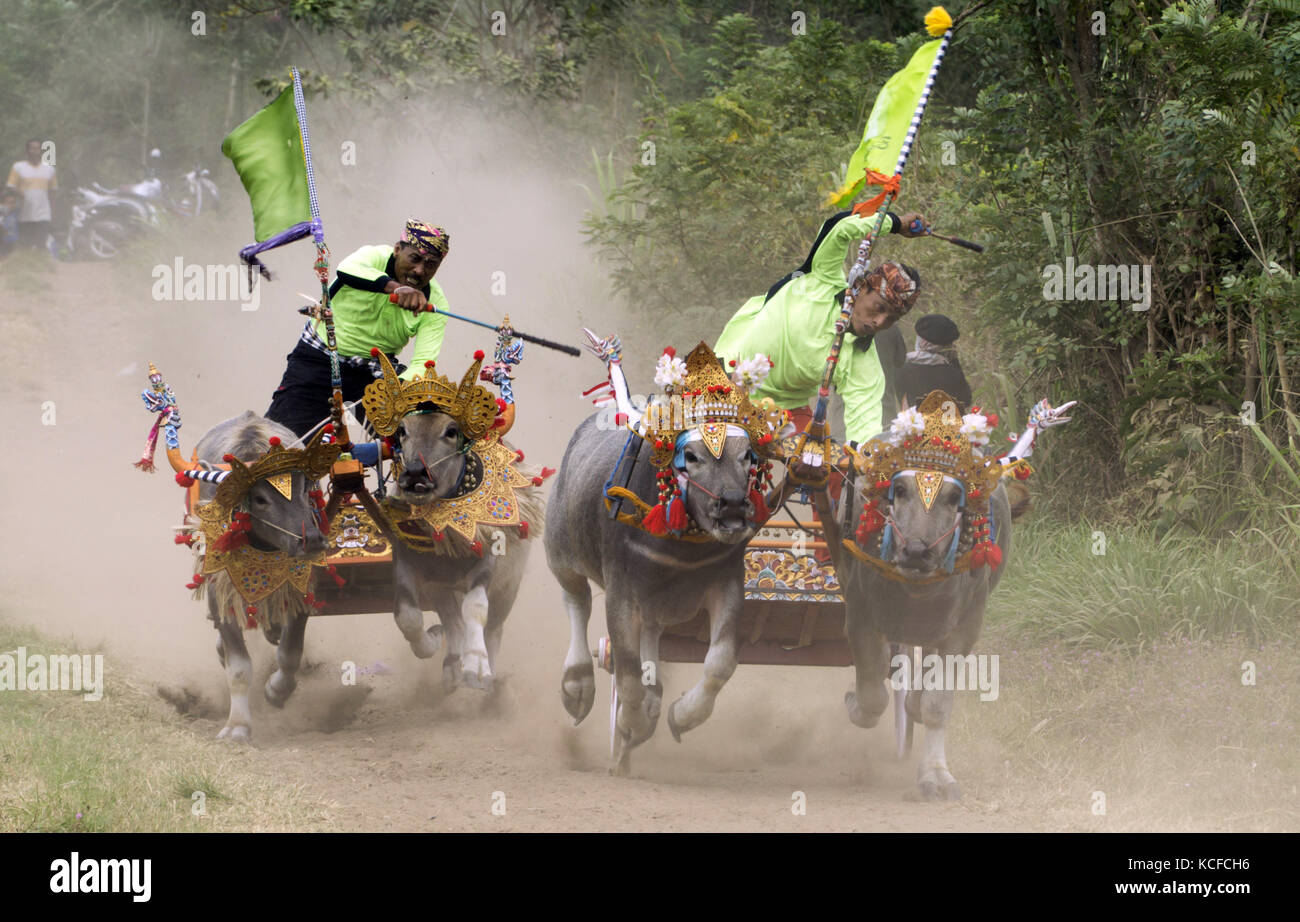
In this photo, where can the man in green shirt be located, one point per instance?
(794, 324)
(364, 318)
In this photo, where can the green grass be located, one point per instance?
(1145, 589)
(129, 763)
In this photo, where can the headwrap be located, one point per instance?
(426, 238)
(897, 289)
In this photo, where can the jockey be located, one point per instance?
(794, 325)
(364, 318)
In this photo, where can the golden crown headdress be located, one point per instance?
(390, 398)
(934, 440)
(277, 467)
(699, 395)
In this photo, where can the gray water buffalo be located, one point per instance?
(942, 617)
(290, 525)
(471, 592)
(649, 582)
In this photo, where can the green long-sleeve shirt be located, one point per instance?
(796, 328)
(365, 318)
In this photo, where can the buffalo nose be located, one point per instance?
(316, 543)
(913, 551)
(732, 501)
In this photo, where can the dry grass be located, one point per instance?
(129, 763)
(1171, 736)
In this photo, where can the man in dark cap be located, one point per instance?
(364, 318)
(933, 365)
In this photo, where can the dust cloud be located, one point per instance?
(87, 553)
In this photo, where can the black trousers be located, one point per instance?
(302, 400)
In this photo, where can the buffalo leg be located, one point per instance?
(578, 686)
(632, 725)
(453, 628)
(932, 775)
(407, 611)
(870, 696)
(694, 707)
(239, 673)
(476, 670)
(288, 656)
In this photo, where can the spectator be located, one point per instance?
(934, 366)
(9, 205)
(36, 183)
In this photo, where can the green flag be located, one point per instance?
(267, 153)
(882, 139)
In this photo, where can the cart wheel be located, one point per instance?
(902, 722)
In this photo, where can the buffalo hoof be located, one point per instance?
(475, 670)
(864, 717)
(427, 642)
(240, 733)
(279, 687)
(932, 791)
(675, 730)
(578, 691)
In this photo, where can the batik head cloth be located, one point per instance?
(427, 238)
(896, 287)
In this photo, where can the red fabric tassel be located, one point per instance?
(547, 472)
(523, 529)
(977, 557)
(994, 555)
(656, 520)
(677, 520)
(183, 480)
(761, 511)
(477, 548)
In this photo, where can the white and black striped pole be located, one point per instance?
(863, 261)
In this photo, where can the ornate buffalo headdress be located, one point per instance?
(699, 398)
(256, 574)
(701, 403)
(390, 398)
(932, 443)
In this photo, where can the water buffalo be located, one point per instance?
(649, 582)
(471, 592)
(942, 616)
(288, 525)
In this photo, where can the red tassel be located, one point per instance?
(477, 548)
(761, 511)
(183, 480)
(977, 557)
(274, 440)
(656, 520)
(523, 529)
(994, 555)
(537, 481)
(437, 536)
(519, 457)
(677, 520)
(547, 472)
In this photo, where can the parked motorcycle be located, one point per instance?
(104, 219)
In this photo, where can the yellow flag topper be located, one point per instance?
(882, 139)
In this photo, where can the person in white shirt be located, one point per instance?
(36, 183)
